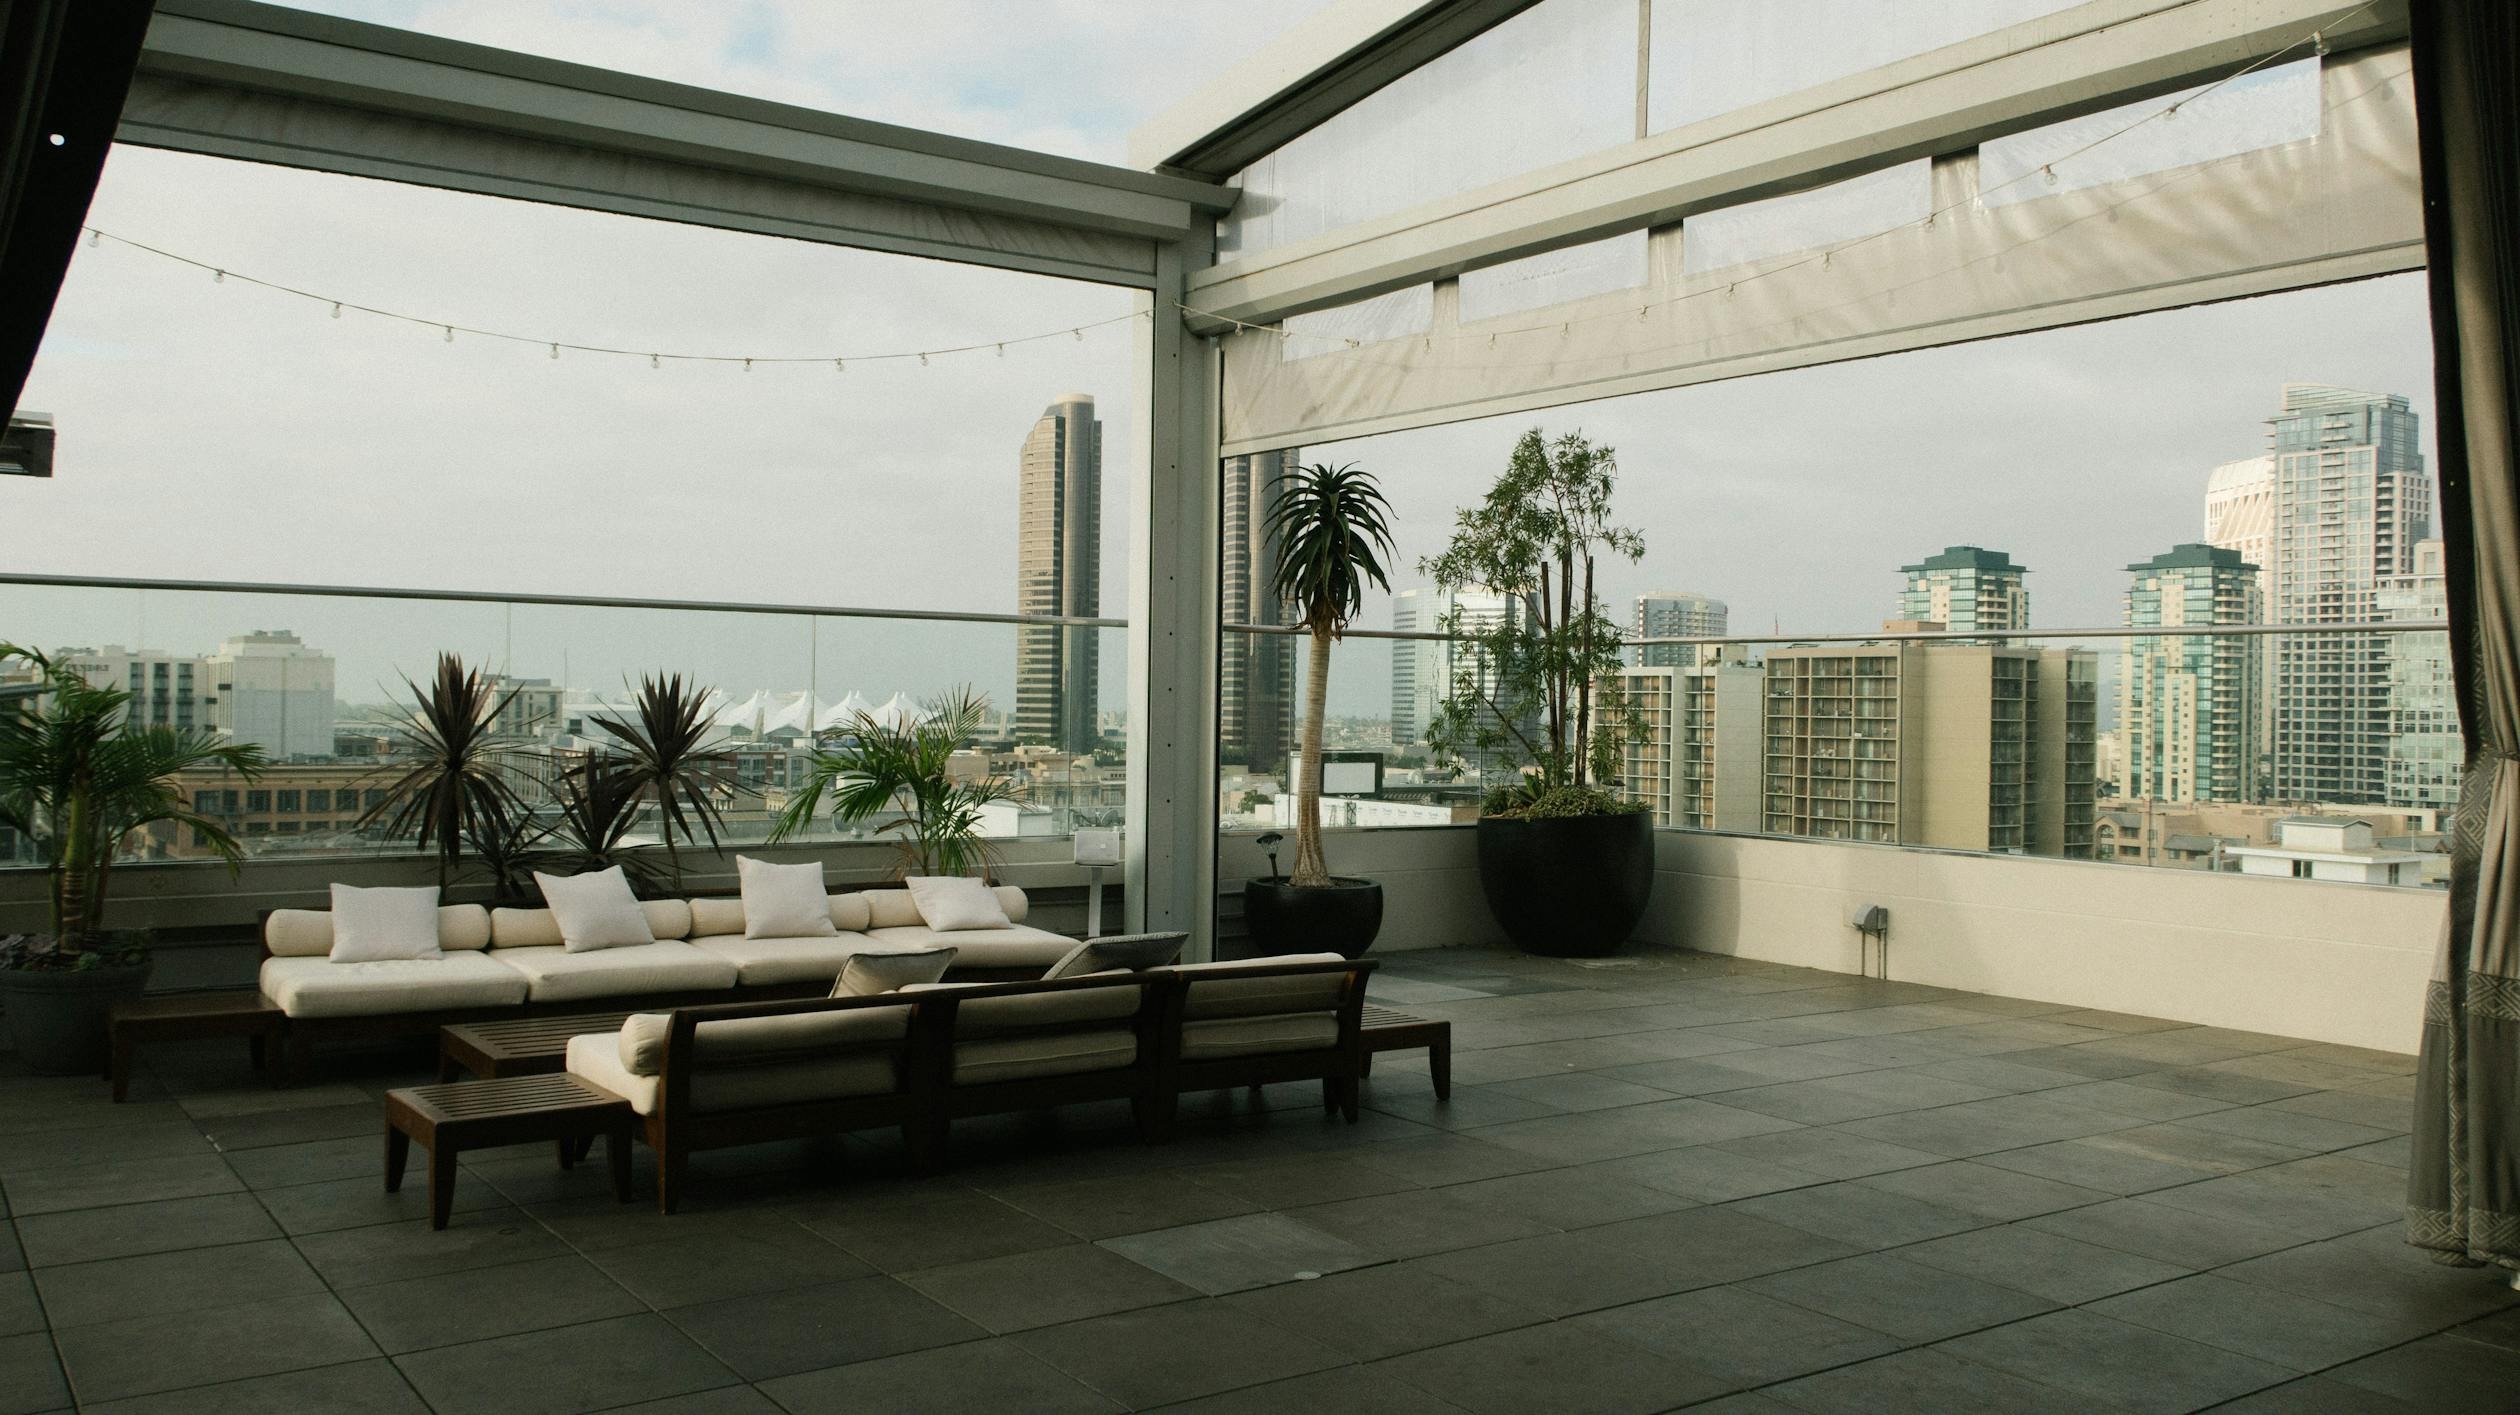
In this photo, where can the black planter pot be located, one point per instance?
(1341, 918)
(1571, 887)
(57, 1020)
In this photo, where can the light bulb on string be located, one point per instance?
(747, 365)
(654, 362)
(2318, 43)
(336, 310)
(555, 351)
(923, 361)
(95, 238)
(450, 334)
(1001, 351)
(218, 277)
(2048, 170)
(839, 365)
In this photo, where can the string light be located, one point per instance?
(93, 238)
(218, 277)
(555, 351)
(2049, 171)
(450, 334)
(336, 309)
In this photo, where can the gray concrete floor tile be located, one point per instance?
(82, 1294)
(89, 1235)
(1342, 1390)
(1042, 1288)
(2443, 1375)
(1998, 1195)
(2295, 1332)
(795, 1330)
(1161, 1355)
(1928, 1380)
(1238, 1254)
(995, 1375)
(955, 1227)
(1831, 1153)
(2135, 1368)
(1860, 1216)
(357, 1257)
(1709, 1174)
(370, 1387)
(450, 1308)
(1107, 1208)
(708, 1267)
(20, 1312)
(30, 1376)
(1897, 1298)
(1631, 1130)
(2171, 1235)
(2063, 1270)
(1738, 1336)
(1385, 1311)
(1561, 1367)
(1567, 1198)
(592, 1366)
(51, 1191)
(1415, 1222)
(231, 1341)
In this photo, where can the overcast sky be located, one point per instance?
(217, 431)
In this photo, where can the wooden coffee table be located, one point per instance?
(185, 1017)
(1386, 1030)
(470, 1115)
(515, 1046)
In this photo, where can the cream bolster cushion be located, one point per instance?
(383, 925)
(308, 933)
(540, 928)
(783, 901)
(712, 918)
(1046, 1054)
(739, 1040)
(1127, 952)
(595, 910)
(1215, 1037)
(894, 909)
(1216, 990)
(947, 903)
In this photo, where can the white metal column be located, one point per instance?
(1171, 870)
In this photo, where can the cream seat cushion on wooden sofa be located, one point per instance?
(308, 933)
(893, 918)
(1003, 1038)
(828, 1075)
(1224, 1015)
(717, 925)
(319, 987)
(556, 975)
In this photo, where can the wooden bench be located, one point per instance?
(515, 1110)
(1386, 1030)
(515, 1046)
(188, 1017)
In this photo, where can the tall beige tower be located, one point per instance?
(1058, 570)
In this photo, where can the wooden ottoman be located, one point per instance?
(515, 1110)
(186, 1017)
(1386, 1030)
(515, 1046)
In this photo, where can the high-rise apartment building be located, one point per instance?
(270, 689)
(1255, 672)
(1676, 614)
(2189, 705)
(2425, 753)
(167, 689)
(1960, 746)
(2240, 516)
(2351, 501)
(1967, 589)
(1422, 669)
(1058, 570)
(1696, 760)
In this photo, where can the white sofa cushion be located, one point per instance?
(597, 1058)
(715, 918)
(1216, 991)
(889, 970)
(1020, 946)
(895, 909)
(739, 1039)
(1029, 1011)
(595, 910)
(308, 933)
(1133, 953)
(1258, 1036)
(783, 901)
(383, 925)
(667, 918)
(951, 903)
(557, 975)
(763, 962)
(319, 987)
(1020, 1058)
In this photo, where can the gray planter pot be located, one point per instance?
(56, 1021)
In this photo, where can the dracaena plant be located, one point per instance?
(599, 803)
(667, 757)
(1524, 689)
(454, 777)
(881, 767)
(79, 779)
(1329, 533)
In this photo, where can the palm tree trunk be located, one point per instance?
(1311, 869)
(78, 857)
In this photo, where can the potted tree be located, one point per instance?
(667, 757)
(1566, 864)
(1328, 533)
(78, 779)
(904, 768)
(454, 778)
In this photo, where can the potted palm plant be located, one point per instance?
(666, 757)
(79, 780)
(454, 777)
(1329, 533)
(905, 769)
(1566, 864)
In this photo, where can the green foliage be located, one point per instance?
(666, 758)
(1529, 800)
(1523, 690)
(78, 779)
(1329, 533)
(599, 803)
(881, 768)
(457, 783)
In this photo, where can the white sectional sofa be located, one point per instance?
(509, 960)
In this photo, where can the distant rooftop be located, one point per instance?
(1967, 557)
(2195, 556)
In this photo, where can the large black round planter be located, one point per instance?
(1341, 918)
(1571, 887)
(57, 1020)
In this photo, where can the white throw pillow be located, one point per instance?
(950, 902)
(1133, 953)
(643, 1042)
(868, 973)
(381, 925)
(595, 910)
(784, 901)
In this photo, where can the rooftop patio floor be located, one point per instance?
(1675, 1180)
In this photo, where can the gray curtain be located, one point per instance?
(2463, 1193)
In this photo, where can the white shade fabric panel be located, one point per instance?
(2339, 205)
